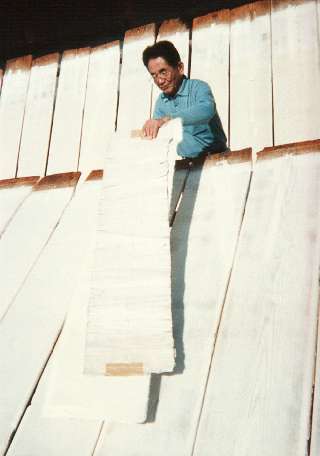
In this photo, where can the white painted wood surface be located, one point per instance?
(100, 106)
(68, 113)
(12, 194)
(34, 320)
(250, 77)
(135, 83)
(38, 116)
(12, 106)
(315, 434)
(28, 232)
(203, 241)
(177, 32)
(38, 436)
(210, 58)
(258, 399)
(129, 310)
(296, 70)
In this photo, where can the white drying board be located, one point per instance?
(34, 320)
(296, 71)
(258, 399)
(12, 106)
(210, 58)
(38, 436)
(28, 232)
(100, 105)
(176, 31)
(13, 192)
(315, 432)
(68, 113)
(38, 116)
(129, 328)
(135, 83)
(251, 110)
(203, 242)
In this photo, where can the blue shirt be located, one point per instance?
(195, 105)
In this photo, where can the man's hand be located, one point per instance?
(151, 127)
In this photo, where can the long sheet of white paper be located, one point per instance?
(71, 393)
(129, 328)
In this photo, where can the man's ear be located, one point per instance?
(181, 68)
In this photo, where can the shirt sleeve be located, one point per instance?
(158, 112)
(203, 107)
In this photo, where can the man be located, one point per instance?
(189, 99)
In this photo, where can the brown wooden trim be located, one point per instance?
(171, 26)
(18, 64)
(58, 181)
(96, 174)
(303, 147)
(18, 181)
(217, 17)
(46, 59)
(139, 32)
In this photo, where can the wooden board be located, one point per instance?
(315, 431)
(250, 77)
(12, 106)
(210, 58)
(100, 106)
(204, 236)
(68, 113)
(38, 436)
(34, 320)
(29, 231)
(38, 116)
(258, 397)
(13, 192)
(177, 32)
(129, 327)
(296, 71)
(135, 82)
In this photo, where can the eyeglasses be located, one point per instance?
(163, 74)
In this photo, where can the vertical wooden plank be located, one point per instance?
(210, 58)
(296, 70)
(258, 398)
(12, 106)
(250, 77)
(315, 431)
(204, 237)
(38, 116)
(31, 326)
(68, 114)
(28, 232)
(177, 32)
(100, 106)
(12, 194)
(135, 82)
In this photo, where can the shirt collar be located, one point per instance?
(182, 92)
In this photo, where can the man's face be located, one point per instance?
(166, 77)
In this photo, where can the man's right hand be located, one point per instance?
(151, 127)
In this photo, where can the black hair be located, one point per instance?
(164, 49)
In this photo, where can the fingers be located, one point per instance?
(151, 128)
